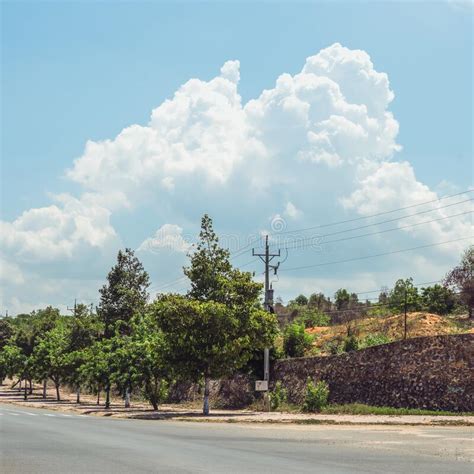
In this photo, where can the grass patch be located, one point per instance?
(361, 409)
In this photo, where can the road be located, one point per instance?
(44, 441)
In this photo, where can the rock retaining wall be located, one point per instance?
(425, 372)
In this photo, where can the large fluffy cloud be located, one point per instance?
(333, 111)
(317, 145)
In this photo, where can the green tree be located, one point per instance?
(320, 302)
(296, 341)
(14, 361)
(312, 317)
(208, 339)
(51, 357)
(404, 293)
(6, 331)
(301, 300)
(460, 279)
(85, 330)
(141, 361)
(437, 299)
(124, 295)
(95, 369)
(342, 299)
(210, 268)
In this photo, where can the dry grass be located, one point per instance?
(419, 324)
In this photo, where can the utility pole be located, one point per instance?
(74, 308)
(266, 258)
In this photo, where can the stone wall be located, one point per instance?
(426, 372)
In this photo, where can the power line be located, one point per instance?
(392, 229)
(373, 256)
(372, 215)
(242, 250)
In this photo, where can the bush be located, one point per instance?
(295, 340)
(351, 344)
(374, 340)
(379, 312)
(316, 396)
(334, 347)
(312, 317)
(278, 396)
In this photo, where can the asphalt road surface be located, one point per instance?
(43, 441)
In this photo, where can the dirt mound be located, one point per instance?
(418, 324)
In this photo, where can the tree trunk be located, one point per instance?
(25, 396)
(107, 396)
(205, 408)
(78, 395)
(127, 397)
(31, 387)
(45, 384)
(58, 397)
(98, 395)
(19, 388)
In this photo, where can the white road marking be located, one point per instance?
(48, 414)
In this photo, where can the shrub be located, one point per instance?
(295, 340)
(316, 396)
(334, 347)
(351, 344)
(374, 340)
(278, 396)
(312, 317)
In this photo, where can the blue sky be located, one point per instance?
(73, 72)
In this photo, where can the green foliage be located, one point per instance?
(320, 302)
(301, 300)
(438, 299)
(210, 266)
(51, 357)
(334, 346)
(345, 300)
(124, 294)
(312, 317)
(6, 331)
(14, 360)
(461, 279)
(209, 338)
(296, 341)
(373, 340)
(379, 312)
(278, 396)
(316, 397)
(351, 343)
(95, 370)
(404, 293)
(139, 360)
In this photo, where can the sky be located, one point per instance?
(122, 123)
